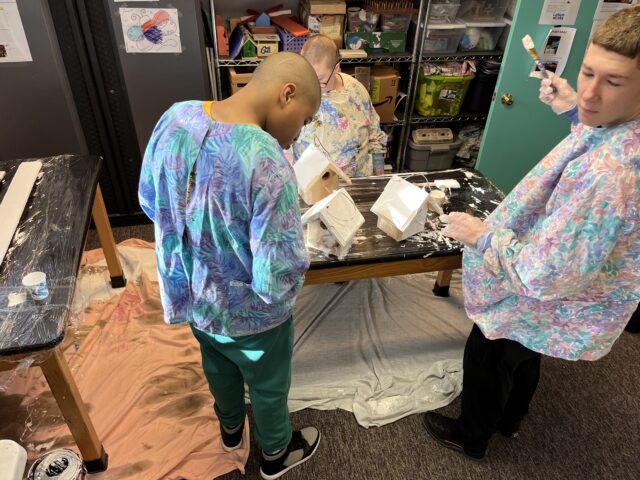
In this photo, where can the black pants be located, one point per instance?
(634, 322)
(499, 380)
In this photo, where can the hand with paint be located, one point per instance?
(556, 92)
(463, 227)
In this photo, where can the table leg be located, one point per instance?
(441, 287)
(103, 227)
(67, 395)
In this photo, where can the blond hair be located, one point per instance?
(320, 50)
(620, 33)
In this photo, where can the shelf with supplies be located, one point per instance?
(462, 117)
(371, 58)
(395, 123)
(229, 75)
(380, 58)
(459, 56)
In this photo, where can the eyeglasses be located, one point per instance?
(333, 70)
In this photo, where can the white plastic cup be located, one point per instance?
(36, 284)
(13, 460)
(435, 200)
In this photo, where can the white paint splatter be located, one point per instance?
(16, 298)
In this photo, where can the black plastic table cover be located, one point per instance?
(49, 238)
(476, 195)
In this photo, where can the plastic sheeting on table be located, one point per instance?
(49, 238)
(476, 195)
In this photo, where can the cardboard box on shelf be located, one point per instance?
(384, 89)
(325, 17)
(239, 78)
(266, 43)
(360, 73)
(319, 7)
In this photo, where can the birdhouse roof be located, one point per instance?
(400, 202)
(339, 213)
(312, 164)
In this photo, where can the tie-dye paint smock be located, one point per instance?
(348, 127)
(231, 258)
(560, 271)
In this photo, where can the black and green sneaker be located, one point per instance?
(302, 446)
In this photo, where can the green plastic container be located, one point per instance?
(440, 96)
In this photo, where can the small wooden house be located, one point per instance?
(317, 176)
(332, 224)
(244, 39)
(401, 209)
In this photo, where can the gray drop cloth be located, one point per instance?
(382, 348)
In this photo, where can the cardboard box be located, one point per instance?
(377, 42)
(384, 89)
(223, 38)
(238, 79)
(266, 43)
(325, 17)
(360, 73)
(323, 7)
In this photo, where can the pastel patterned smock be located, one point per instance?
(560, 270)
(232, 258)
(348, 127)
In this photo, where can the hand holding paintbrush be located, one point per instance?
(531, 48)
(554, 91)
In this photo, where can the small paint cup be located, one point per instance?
(36, 284)
(435, 200)
(437, 196)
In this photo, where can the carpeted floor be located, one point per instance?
(584, 424)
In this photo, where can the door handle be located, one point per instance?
(506, 99)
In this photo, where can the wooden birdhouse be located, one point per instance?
(401, 209)
(332, 224)
(266, 42)
(248, 45)
(317, 176)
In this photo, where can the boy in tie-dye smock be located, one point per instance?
(229, 245)
(346, 125)
(555, 269)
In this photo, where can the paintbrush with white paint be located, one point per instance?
(531, 48)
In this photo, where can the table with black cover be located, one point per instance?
(50, 238)
(375, 254)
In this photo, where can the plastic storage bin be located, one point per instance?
(359, 20)
(431, 156)
(481, 36)
(483, 10)
(443, 11)
(395, 22)
(443, 38)
(440, 95)
(291, 43)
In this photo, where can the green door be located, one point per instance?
(518, 136)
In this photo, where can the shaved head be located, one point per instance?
(320, 51)
(287, 67)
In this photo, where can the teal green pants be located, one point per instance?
(263, 362)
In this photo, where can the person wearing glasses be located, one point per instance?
(346, 125)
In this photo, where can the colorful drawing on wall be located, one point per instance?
(13, 40)
(151, 30)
